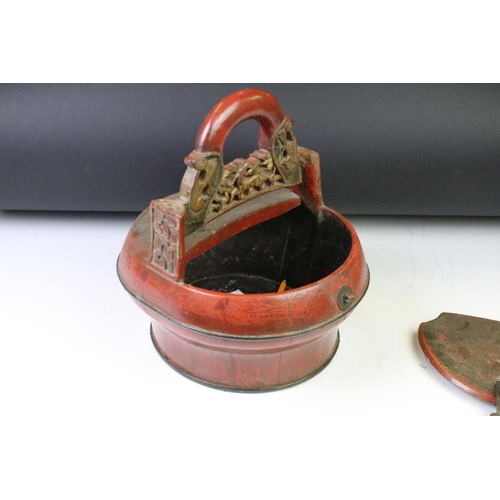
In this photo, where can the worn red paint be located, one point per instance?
(244, 342)
(469, 357)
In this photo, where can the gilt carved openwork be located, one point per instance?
(244, 179)
(285, 151)
(256, 225)
(209, 188)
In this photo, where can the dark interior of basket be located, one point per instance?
(299, 246)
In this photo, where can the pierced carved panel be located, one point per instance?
(284, 149)
(209, 188)
(243, 180)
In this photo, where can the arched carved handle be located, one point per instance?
(236, 108)
(209, 188)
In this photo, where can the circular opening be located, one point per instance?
(300, 247)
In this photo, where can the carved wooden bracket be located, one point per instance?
(210, 188)
(168, 219)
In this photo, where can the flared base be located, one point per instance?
(254, 365)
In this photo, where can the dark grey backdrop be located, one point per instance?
(385, 149)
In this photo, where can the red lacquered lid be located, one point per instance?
(465, 350)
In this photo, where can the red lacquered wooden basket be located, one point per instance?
(245, 227)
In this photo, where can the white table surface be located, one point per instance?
(90, 410)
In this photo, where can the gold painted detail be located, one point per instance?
(209, 188)
(198, 186)
(200, 180)
(284, 148)
(243, 180)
